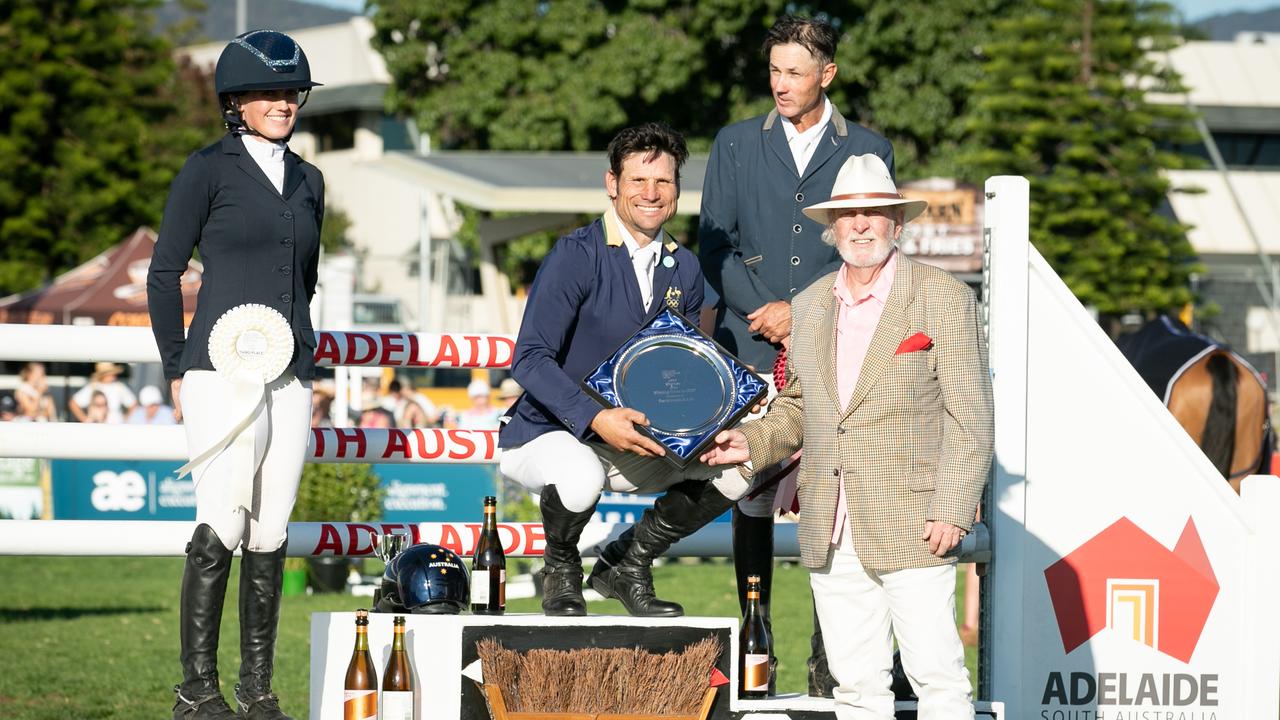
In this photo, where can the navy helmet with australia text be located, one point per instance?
(260, 60)
(425, 579)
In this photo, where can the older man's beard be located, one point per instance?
(879, 248)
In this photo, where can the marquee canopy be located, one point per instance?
(110, 289)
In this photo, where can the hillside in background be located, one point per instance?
(1227, 25)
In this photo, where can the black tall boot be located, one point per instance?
(624, 569)
(562, 573)
(204, 587)
(261, 575)
(753, 555)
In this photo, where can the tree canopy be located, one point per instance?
(567, 75)
(1062, 100)
(86, 99)
(908, 68)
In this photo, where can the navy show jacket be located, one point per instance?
(583, 304)
(755, 244)
(258, 245)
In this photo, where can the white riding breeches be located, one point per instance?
(280, 434)
(582, 470)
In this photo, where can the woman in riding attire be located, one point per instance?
(254, 210)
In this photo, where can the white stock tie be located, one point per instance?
(644, 261)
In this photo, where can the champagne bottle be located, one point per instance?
(754, 647)
(489, 566)
(397, 680)
(360, 688)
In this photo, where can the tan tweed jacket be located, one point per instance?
(915, 442)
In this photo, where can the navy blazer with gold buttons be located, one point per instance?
(257, 244)
(584, 303)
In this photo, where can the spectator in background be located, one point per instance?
(410, 407)
(151, 409)
(32, 395)
(321, 407)
(8, 409)
(508, 392)
(377, 418)
(482, 414)
(98, 410)
(106, 381)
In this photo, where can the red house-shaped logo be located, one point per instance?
(1125, 581)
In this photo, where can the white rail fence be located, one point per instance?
(67, 343)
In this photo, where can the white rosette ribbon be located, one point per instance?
(249, 346)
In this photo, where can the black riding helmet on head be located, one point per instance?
(260, 60)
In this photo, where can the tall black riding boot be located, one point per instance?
(685, 508)
(261, 575)
(753, 555)
(562, 573)
(204, 587)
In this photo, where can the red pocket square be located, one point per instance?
(919, 341)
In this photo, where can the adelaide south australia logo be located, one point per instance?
(1124, 582)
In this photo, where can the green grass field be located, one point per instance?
(89, 638)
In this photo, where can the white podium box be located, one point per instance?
(442, 648)
(804, 707)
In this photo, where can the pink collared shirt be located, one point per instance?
(856, 321)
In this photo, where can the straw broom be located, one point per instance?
(599, 680)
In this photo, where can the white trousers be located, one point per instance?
(581, 471)
(861, 611)
(280, 435)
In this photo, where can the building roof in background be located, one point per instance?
(1227, 75)
(1233, 74)
(218, 21)
(528, 182)
(1219, 228)
(353, 74)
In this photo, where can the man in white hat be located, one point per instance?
(106, 380)
(887, 391)
(759, 250)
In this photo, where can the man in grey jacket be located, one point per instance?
(759, 250)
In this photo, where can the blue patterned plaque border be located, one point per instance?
(748, 387)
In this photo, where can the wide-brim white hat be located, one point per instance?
(864, 182)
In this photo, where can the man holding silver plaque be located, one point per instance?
(888, 392)
(598, 286)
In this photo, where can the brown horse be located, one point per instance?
(1213, 392)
